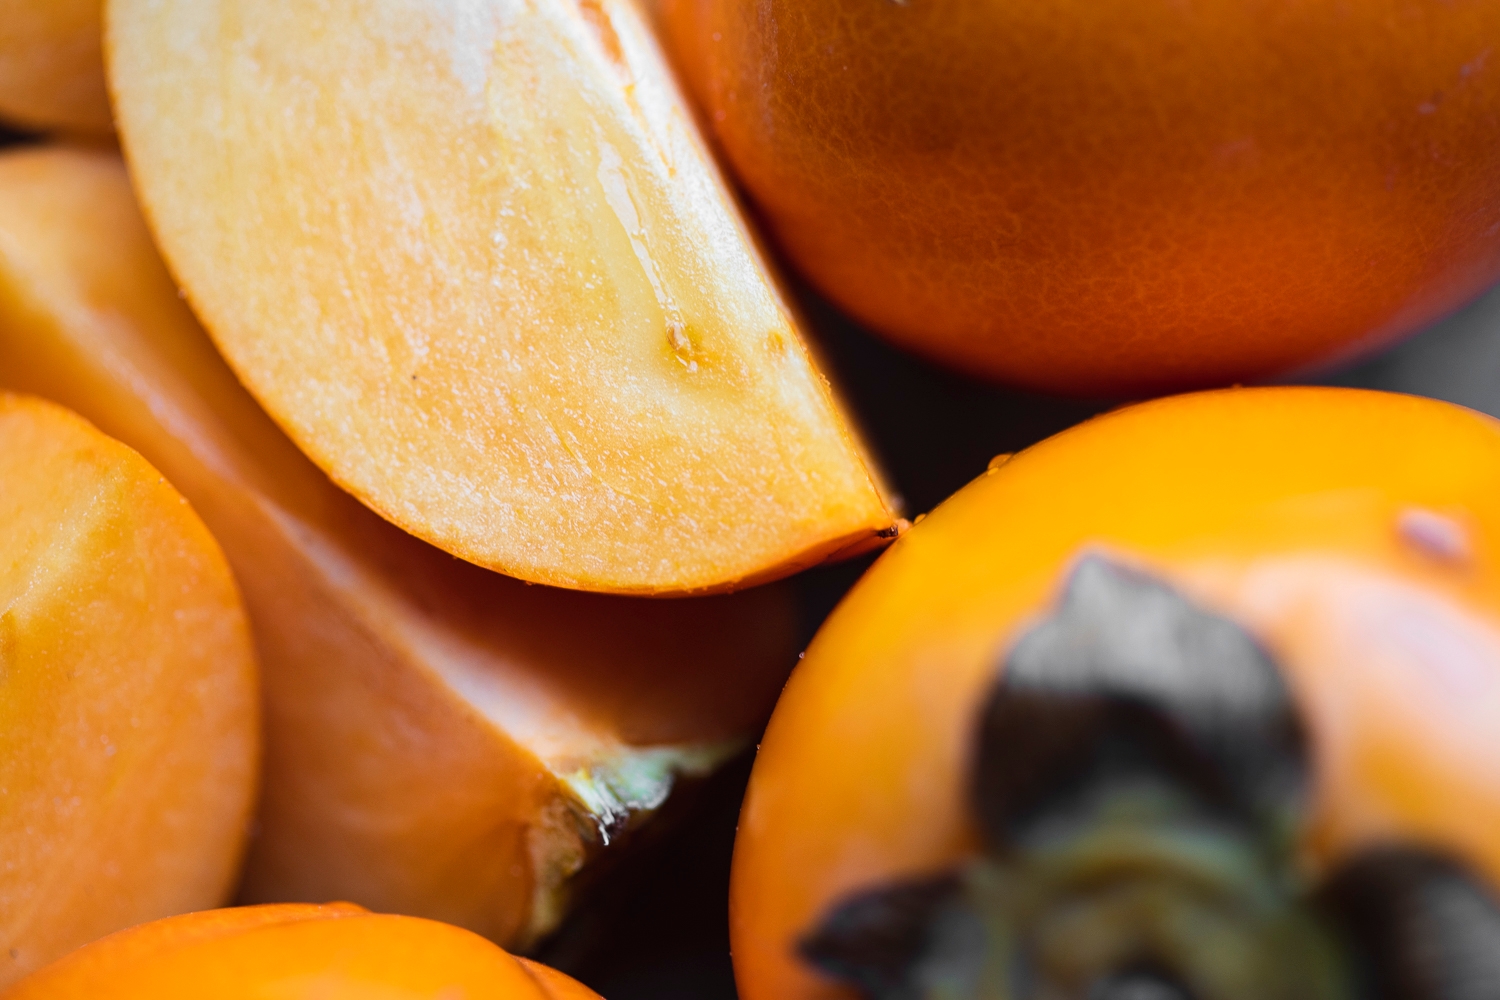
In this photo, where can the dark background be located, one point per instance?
(656, 928)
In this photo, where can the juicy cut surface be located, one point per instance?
(129, 724)
(475, 259)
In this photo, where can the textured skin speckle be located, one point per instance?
(1116, 195)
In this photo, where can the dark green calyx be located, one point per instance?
(1133, 893)
(880, 941)
(1138, 778)
(1423, 927)
(1145, 983)
(1129, 678)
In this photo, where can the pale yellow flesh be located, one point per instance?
(474, 258)
(442, 740)
(52, 67)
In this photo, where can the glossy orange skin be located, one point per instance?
(1102, 196)
(1281, 508)
(296, 952)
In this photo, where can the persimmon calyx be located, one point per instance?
(1140, 782)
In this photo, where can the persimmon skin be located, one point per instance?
(1115, 197)
(295, 951)
(1306, 515)
(52, 66)
(129, 727)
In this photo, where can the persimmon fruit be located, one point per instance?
(128, 723)
(336, 951)
(441, 740)
(52, 66)
(1209, 667)
(1122, 196)
(476, 261)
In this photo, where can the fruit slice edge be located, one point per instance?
(479, 265)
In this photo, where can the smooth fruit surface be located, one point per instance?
(296, 952)
(441, 740)
(1120, 196)
(52, 66)
(1356, 535)
(129, 725)
(475, 260)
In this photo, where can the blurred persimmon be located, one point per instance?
(1102, 196)
(52, 66)
(129, 723)
(296, 952)
(1198, 696)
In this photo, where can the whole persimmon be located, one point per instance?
(1197, 699)
(1106, 196)
(296, 952)
(129, 723)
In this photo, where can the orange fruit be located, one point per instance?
(296, 952)
(1112, 196)
(129, 722)
(52, 66)
(441, 740)
(1352, 536)
(477, 262)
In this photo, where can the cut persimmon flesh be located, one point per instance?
(441, 740)
(474, 258)
(51, 66)
(128, 713)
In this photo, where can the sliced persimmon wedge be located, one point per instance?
(441, 740)
(475, 259)
(129, 723)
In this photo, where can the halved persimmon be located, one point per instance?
(1196, 699)
(296, 952)
(476, 261)
(441, 740)
(128, 710)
